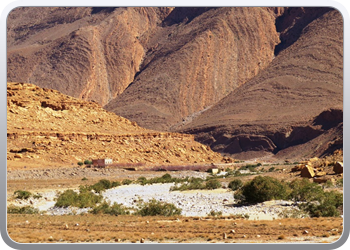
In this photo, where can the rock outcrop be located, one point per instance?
(197, 62)
(293, 108)
(90, 53)
(45, 127)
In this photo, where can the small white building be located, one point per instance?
(101, 162)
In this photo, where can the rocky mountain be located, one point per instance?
(248, 81)
(89, 53)
(292, 108)
(49, 128)
(151, 65)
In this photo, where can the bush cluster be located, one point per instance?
(166, 178)
(197, 183)
(100, 186)
(235, 184)
(154, 207)
(24, 195)
(21, 194)
(84, 199)
(326, 205)
(264, 188)
(107, 208)
(250, 167)
(22, 210)
(313, 199)
(87, 199)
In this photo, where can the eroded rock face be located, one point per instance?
(296, 102)
(196, 62)
(90, 53)
(167, 63)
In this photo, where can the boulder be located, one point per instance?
(319, 174)
(307, 172)
(338, 168)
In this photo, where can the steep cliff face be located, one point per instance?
(288, 104)
(90, 53)
(197, 61)
(47, 127)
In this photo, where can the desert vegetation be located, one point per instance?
(311, 197)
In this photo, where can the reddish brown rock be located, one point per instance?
(307, 172)
(338, 168)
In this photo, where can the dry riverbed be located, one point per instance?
(256, 223)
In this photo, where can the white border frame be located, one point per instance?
(6, 7)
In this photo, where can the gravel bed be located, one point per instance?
(192, 203)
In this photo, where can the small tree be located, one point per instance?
(21, 194)
(264, 188)
(235, 184)
(212, 184)
(154, 207)
(106, 208)
(304, 190)
(87, 162)
(80, 163)
(126, 182)
(327, 205)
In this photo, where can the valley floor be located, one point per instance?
(262, 224)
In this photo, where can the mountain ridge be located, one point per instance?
(259, 72)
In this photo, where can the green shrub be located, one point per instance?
(339, 183)
(88, 199)
(197, 183)
(212, 184)
(154, 207)
(100, 186)
(264, 188)
(193, 183)
(250, 167)
(87, 162)
(106, 208)
(116, 184)
(21, 194)
(304, 190)
(237, 173)
(80, 163)
(82, 200)
(142, 180)
(84, 179)
(126, 182)
(326, 206)
(67, 198)
(167, 177)
(37, 196)
(22, 210)
(271, 169)
(213, 213)
(235, 184)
